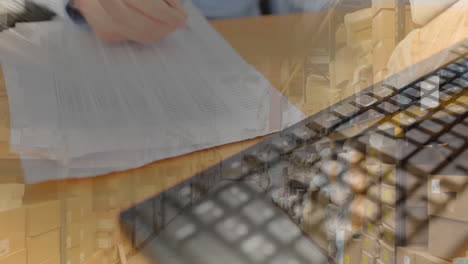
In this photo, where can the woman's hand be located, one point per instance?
(143, 21)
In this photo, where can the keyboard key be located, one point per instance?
(446, 74)
(234, 196)
(461, 82)
(418, 136)
(365, 100)
(347, 110)
(444, 117)
(303, 133)
(461, 129)
(232, 228)
(426, 86)
(451, 89)
(182, 233)
(451, 140)
(208, 211)
(403, 119)
(431, 126)
(412, 92)
(326, 120)
(262, 156)
(441, 96)
(258, 248)
(382, 91)
(436, 79)
(310, 251)
(457, 68)
(284, 144)
(284, 230)
(417, 111)
(258, 212)
(430, 158)
(456, 108)
(465, 61)
(402, 100)
(389, 107)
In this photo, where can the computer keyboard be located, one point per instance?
(269, 203)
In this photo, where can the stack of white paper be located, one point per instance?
(80, 107)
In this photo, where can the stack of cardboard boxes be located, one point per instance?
(78, 222)
(384, 34)
(13, 235)
(108, 197)
(43, 231)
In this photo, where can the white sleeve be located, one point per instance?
(58, 6)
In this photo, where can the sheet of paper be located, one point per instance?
(82, 107)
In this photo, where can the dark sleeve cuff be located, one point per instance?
(74, 14)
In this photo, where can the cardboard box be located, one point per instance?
(106, 240)
(314, 219)
(388, 194)
(12, 231)
(352, 251)
(42, 217)
(53, 260)
(384, 26)
(417, 255)
(372, 210)
(73, 256)
(41, 192)
(448, 196)
(388, 216)
(367, 258)
(416, 226)
(387, 253)
(106, 202)
(72, 234)
(43, 247)
(344, 65)
(358, 20)
(373, 192)
(18, 257)
(416, 189)
(448, 238)
(407, 255)
(381, 54)
(355, 38)
(377, 5)
(388, 235)
(73, 209)
(425, 257)
(9, 204)
(371, 229)
(11, 191)
(107, 221)
(370, 245)
(340, 36)
(380, 75)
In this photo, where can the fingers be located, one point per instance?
(159, 11)
(177, 4)
(143, 21)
